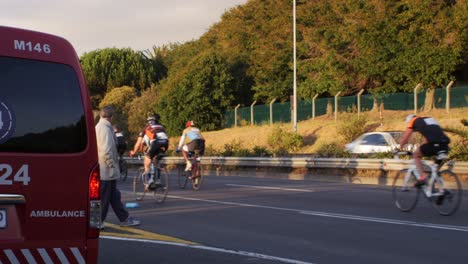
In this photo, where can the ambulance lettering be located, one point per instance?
(58, 214)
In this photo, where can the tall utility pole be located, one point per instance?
(294, 82)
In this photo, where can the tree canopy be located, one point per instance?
(342, 46)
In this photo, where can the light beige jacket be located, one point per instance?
(107, 151)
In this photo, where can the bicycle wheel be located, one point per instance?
(139, 184)
(123, 170)
(161, 185)
(405, 195)
(182, 177)
(198, 181)
(448, 185)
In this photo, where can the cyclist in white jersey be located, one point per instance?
(195, 140)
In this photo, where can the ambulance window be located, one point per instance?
(41, 110)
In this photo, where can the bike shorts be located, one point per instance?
(157, 147)
(432, 149)
(197, 146)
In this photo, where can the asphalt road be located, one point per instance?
(261, 220)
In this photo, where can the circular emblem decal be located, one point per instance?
(7, 121)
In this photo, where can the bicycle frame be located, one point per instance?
(413, 171)
(195, 160)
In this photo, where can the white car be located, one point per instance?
(376, 142)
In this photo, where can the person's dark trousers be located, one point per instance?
(111, 195)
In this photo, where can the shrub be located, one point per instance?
(332, 150)
(261, 152)
(281, 141)
(234, 149)
(353, 127)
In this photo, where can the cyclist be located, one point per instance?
(121, 145)
(121, 142)
(196, 142)
(435, 141)
(155, 138)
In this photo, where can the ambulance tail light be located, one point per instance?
(94, 203)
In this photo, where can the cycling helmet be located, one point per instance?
(408, 118)
(153, 118)
(189, 123)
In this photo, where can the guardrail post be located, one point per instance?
(271, 111)
(359, 102)
(235, 115)
(447, 100)
(252, 113)
(313, 106)
(416, 98)
(336, 105)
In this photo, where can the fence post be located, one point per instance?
(313, 106)
(447, 100)
(235, 115)
(359, 102)
(416, 98)
(271, 111)
(252, 113)
(336, 105)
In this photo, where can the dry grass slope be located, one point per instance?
(323, 130)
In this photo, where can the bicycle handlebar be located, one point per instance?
(398, 152)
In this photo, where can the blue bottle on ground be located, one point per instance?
(131, 205)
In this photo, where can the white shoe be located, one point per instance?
(130, 222)
(188, 167)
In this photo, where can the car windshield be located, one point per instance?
(41, 110)
(374, 139)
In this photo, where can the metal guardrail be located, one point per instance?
(305, 162)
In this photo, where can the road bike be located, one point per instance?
(157, 184)
(195, 175)
(123, 168)
(442, 189)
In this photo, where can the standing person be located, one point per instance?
(435, 141)
(109, 169)
(195, 142)
(154, 136)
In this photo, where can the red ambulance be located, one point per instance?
(49, 174)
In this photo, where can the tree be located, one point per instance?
(120, 99)
(112, 67)
(140, 108)
(202, 93)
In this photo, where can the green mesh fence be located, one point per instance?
(398, 101)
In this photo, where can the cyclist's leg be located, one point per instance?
(185, 150)
(151, 152)
(200, 151)
(425, 150)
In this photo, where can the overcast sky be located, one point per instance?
(98, 24)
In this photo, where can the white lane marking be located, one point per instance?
(28, 256)
(268, 188)
(45, 256)
(342, 216)
(61, 256)
(221, 250)
(389, 221)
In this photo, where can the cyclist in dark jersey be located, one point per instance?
(155, 138)
(435, 141)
